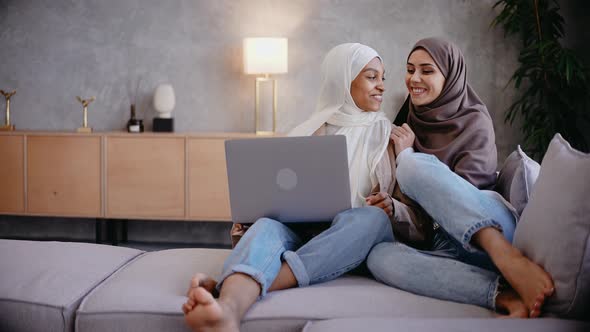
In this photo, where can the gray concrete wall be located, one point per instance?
(53, 51)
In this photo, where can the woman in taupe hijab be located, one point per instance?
(446, 159)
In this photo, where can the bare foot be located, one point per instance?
(508, 301)
(199, 280)
(209, 314)
(528, 279)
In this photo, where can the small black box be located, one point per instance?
(163, 125)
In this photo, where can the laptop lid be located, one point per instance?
(288, 179)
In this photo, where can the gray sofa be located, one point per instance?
(59, 286)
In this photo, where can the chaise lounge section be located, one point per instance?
(58, 286)
(43, 283)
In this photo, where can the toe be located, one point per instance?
(191, 293)
(202, 280)
(194, 282)
(202, 296)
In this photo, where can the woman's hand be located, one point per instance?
(381, 200)
(403, 137)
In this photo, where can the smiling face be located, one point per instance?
(424, 79)
(367, 88)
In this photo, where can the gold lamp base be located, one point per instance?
(7, 128)
(85, 130)
(264, 133)
(257, 115)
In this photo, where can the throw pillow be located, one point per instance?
(554, 228)
(516, 179)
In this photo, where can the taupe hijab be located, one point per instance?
(456, 127)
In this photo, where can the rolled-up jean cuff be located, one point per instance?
(493, 293)
(466, 239)
(297, 267)
(253, 273)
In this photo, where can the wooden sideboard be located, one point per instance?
(115, 175)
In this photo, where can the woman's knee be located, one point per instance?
(268, 233)
(411, 168)
(369, 218)
(266, 226)
(416, 170)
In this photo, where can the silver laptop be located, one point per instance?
(289, 179)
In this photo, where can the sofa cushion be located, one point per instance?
(349, 296)
(554, 228)
(516, 179)
(446, 325)
(147, 295)
(42, 283)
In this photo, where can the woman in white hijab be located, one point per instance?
(366, 130)
(271, 255)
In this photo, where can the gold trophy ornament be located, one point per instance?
(7, 126)
(85, 102)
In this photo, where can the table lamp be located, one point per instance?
(265, 56)
(164, 102)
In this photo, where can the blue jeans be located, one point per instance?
(453, 269)
(335, 251)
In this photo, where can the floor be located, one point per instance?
(146, 235)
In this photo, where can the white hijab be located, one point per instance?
(367, 133)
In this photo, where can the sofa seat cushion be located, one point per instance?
(147, 295)
(42, 283)
(349, 296)
(446, 325)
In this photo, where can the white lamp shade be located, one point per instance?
(265, 55)
(164, 99)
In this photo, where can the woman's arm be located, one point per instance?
(402, 137)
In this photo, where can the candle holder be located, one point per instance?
(85, 103)
(7, 126)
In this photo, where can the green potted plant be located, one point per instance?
(554, 82)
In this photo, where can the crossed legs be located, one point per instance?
(477, 221)
(264, 261)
